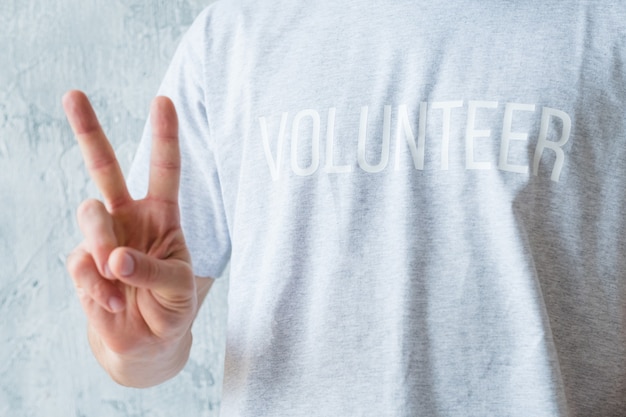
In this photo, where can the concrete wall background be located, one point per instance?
(117, 51)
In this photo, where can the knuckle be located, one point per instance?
(96, 226)
(89, 208)
(89, 213)
(101, 162)
(99, 290)
(78, 263)
(166, 164)
(71, 261)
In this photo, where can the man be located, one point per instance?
(420, 204)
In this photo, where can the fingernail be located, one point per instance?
(116, 305)
(128, 265)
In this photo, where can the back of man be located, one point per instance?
(420, 203)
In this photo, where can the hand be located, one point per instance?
(133, 270)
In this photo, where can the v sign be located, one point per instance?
(133, 270)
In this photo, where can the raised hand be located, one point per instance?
(133, 270)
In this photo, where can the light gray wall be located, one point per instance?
(117, 51)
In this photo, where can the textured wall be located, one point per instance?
(117, 51)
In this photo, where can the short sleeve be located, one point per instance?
(201, 204)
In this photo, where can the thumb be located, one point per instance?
(170, 277)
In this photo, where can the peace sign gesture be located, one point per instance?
(133, 269)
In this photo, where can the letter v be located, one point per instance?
(274, 164)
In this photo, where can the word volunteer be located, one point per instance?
(310, 136)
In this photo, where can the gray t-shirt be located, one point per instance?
(420, 203)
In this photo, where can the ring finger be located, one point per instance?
(91, 286)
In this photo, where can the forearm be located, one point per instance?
(142, 370)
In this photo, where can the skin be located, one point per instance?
(132, 271)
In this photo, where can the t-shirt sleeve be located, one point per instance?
(201, 205)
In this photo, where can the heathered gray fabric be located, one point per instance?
(421, 202)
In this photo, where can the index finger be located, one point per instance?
(97, 151)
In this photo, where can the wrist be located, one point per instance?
(144, 367)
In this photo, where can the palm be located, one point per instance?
(150, 227)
